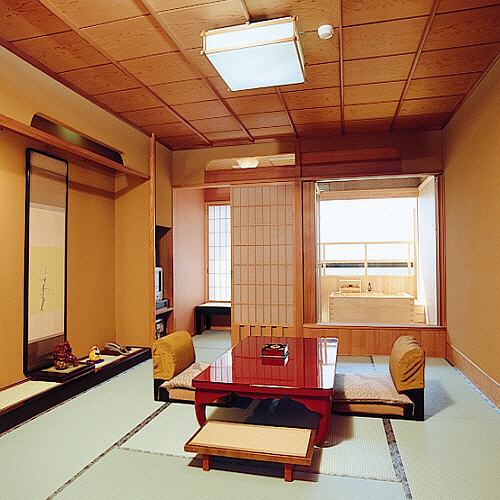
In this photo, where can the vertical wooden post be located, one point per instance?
(309, 252)
(152, 224)
(298, 288)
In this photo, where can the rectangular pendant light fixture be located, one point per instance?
(255, 55)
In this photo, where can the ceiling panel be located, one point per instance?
(142, 60)
(317, 115)
(373, 11)
(100, 79)
(430, 121)
(131, 38)
(27, 19)
(150, 116)
(370, 111)
(128, 100)
(383, 39)
(260, 120)
(377, 69)
(187, 24)
(253, 104)
(162, 68)
(464, 28)
(433, 105)
(309, 17)
(183, 92)
(210, 125)
(90, 12)
(377, 92)
(316, 98)
(207, 109)
(61, 51)
(455, 61)
(441, 86)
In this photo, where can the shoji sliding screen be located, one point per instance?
(262, 253)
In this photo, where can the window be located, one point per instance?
(377, 251)
(219, 252)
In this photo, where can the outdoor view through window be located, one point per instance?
(377, 251)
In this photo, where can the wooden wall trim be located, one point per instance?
(309, 290)
(67, 147)
(486, 384)
(152, 239)
(441, 252)
(374, 340)
(350, 156)
(354, 169)
(298, 256)
(234, 176)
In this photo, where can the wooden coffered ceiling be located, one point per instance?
(391, 64)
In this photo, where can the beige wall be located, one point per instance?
(189, 255)
(108, 221)
(472, 201)
(164, 162)
(12, 189)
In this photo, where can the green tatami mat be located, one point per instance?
(213, 338)
(357, 446)
(42, 454)
(127, 475)
(208, 354)
(450, 459)
(354, 364)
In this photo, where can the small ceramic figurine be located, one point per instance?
(94, 354)
(63, 356)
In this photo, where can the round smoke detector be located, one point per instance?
(325, 32)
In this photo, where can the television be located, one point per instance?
(158, 283)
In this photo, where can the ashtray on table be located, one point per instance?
(274, 351)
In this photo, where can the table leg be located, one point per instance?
(202, 398)
(324, 408)
(208, 321)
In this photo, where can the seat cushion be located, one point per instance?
(367, 388)
(184, 380)
(172, 354)
(407, 364)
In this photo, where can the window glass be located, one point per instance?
(219, 253)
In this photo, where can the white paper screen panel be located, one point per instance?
(262, 249)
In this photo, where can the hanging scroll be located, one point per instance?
(45, 258)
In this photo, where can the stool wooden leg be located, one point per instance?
(289, 472)
(207, 462)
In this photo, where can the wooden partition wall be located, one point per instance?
(285, 303)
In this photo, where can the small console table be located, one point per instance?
(204, 312)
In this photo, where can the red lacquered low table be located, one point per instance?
(306, 376)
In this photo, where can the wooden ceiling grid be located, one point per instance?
(391, 64)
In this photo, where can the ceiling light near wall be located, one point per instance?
(255, 55)
(247, 162)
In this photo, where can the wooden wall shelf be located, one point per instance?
(67, 147)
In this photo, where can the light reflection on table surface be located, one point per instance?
(310, 364)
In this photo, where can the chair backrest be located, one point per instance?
(407, 364)
(172, 354)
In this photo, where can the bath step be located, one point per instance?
(287, 445)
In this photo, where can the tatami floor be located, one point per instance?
(115, 442)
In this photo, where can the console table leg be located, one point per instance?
(207, 462)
